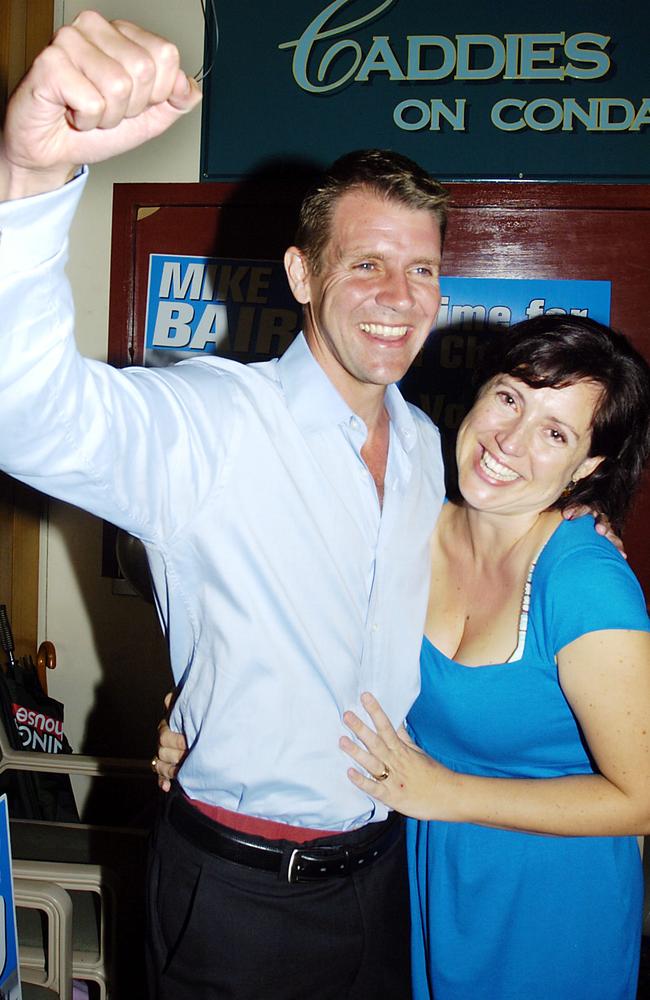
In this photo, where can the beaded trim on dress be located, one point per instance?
(523, 616)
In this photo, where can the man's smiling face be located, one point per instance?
(370, 307)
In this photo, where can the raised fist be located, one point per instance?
(98, 89)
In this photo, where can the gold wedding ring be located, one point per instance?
(384, 774)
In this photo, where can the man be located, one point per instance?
(285, 509)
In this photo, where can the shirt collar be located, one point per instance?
(314, 403)
(311, 398)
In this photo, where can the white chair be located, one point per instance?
(93, 919)
(52, 975)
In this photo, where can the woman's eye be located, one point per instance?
(506, 398)
(556, 435)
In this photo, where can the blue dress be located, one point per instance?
(503, 915)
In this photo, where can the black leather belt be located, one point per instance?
(305, 863)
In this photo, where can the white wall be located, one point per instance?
(112, 662)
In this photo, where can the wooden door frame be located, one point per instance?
(25, 28)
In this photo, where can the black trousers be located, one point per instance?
(221, 930)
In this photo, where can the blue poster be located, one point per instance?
(239, 309)
(440, 381)
(9, 976)
(471, 303)
(243, 309)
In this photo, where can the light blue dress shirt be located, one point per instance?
(283, 587)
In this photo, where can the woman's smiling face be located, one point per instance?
(519, 446)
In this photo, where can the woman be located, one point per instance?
(529, 770)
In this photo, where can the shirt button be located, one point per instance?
(375, 626)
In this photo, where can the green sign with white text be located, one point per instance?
(470, 90)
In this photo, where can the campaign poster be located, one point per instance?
(238, 309)
(243, 310)
(440, 381)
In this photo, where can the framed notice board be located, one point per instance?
(219, 246)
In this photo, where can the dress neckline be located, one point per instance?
(522, 629)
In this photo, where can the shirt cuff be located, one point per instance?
(33, 230)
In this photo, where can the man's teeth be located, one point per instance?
(384, 332)
(496, 470)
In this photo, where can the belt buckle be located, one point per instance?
(292, 875)
(313, 857)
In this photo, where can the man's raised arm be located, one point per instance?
(74, 428)
(99, 89)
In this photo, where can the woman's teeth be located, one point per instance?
(496, 470)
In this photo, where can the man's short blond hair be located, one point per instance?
(383, 172)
